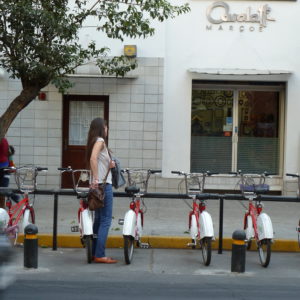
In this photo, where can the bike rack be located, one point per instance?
(204, 196)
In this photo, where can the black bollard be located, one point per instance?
(31, 246)
(238, 254)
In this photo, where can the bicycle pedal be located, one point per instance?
(121, 222)
(75, 228)
(144, 245)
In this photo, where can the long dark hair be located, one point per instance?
(97, 129)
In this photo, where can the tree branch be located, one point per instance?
(20, 102)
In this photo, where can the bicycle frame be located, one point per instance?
(259, 222)
(18, 208)
(84, 215)
(197, 211)
(200, 221)
(85, 218)
(253, 212)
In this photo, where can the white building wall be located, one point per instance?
(190, 45)
(178, 45)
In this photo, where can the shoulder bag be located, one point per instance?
(96, 195)
(117, 177)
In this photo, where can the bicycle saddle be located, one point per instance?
(256, 188)
(131, 190)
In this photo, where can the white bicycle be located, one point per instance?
(80, 180)
(200, 221)
(134, 218)
(21, 212)
(298, 179)
(257, 224)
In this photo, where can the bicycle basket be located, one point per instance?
(81, 180)
(194, 184)
(255, 188)
(138, 178)
(26, 178)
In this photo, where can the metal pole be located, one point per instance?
(238, 252)
(54, 242)
(221, 212)
(31, 246)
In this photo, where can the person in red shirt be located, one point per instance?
(6, 154)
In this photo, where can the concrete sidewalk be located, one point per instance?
(166, 221)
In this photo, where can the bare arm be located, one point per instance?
(98, 146)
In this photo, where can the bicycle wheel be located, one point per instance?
(128, 248)
(28, 217)
(206, 250)
(298, 229)
(88, 243)
(12, 234)
(264, 251)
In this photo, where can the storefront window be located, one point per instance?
(258, 142)
(235, 129)
(211, 146)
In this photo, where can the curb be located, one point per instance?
(164, 242)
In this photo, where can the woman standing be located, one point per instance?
(99, 162)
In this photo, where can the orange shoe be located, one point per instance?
(105, 260)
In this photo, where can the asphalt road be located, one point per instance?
(154, 274)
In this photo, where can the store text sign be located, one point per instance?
(219, 14)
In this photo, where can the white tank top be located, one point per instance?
(103, 163)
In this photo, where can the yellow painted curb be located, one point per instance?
(164, 242)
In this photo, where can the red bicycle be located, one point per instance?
(200, 221)
(26, 182)
(298, 178)
(133, 221)
(257, 224)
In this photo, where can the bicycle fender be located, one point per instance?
(26, 216)
(139, 225)
(86, 220)
(249, 230)
(193, 228)
(264, 227)
(4, 218)
(206, 225)
(129, 223)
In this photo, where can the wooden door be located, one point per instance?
(78, 112)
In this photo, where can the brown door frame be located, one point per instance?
(65, 126)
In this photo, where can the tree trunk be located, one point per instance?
(20, 102)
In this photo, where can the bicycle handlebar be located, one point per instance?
(151, 171)
(208, 173)
(234, 173)
(68, 169)
(154, 171)
(41, 169)
(8, 169)
(292, 175)
(211, 173)
(264, 174)
(24, 167)
(177, 172)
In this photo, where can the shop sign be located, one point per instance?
(220, 15)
